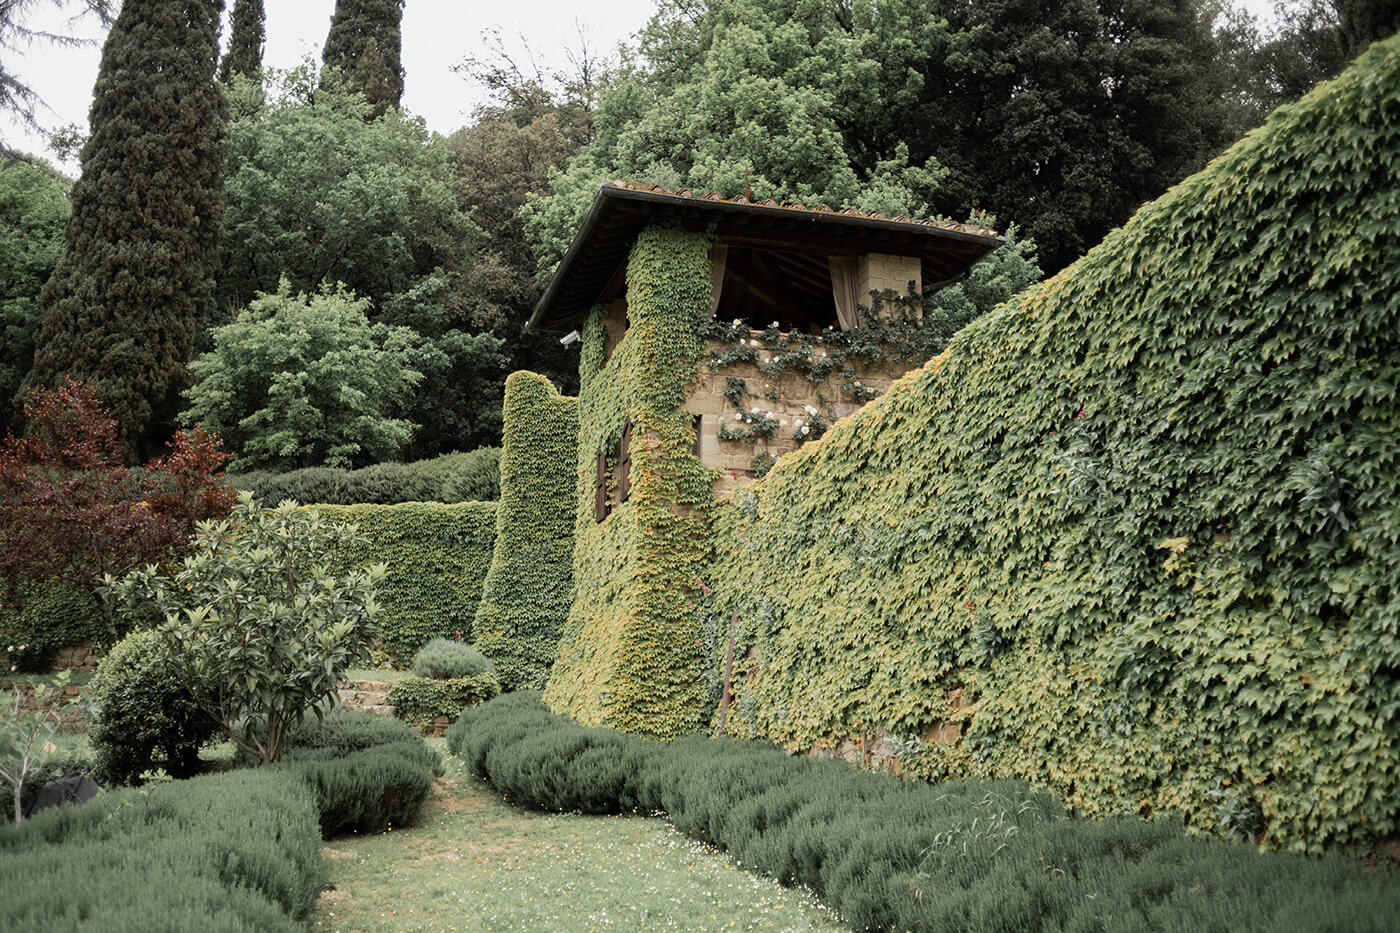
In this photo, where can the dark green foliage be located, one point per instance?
(437, 556)
(443, 658)
(420, 700)
(528, 588)
(146, 718)
(48, 616)
(455, 477)
(368, 773)
(888, 853)
(1144, 517)
(123, 305)
(245, 48)
(364, 45)
(33, 210)
(306, 380)
(228, 852)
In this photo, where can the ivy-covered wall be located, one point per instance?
(1136, 534)
(438, 555)
(629, 656)
(529, 587)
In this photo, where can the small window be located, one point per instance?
(624, 462)
(695, 423)
(600, 489)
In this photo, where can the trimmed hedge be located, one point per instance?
(456, 477)
(437, 555)
(233, 852)
(529, 586)
(52, 616)
(228, 852)
(443, 659)
(368, 773)
(895, 854)
(420, 700)
(1144, 518)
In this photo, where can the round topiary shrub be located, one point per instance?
(444, 659)
(146, 717)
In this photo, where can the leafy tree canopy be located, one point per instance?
(362, 52)
(123, 306)
(306, 380)
(34, 207)
(317, 193)
(788, 99)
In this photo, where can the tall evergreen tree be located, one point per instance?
(364, 44)
(122, 307)
(245, 49)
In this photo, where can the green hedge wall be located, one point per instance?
(437, 555)
(530, 583)
(420, 700)
(1145, 517)
(456, 477)
(47, 617)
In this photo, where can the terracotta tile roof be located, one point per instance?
(631, 185)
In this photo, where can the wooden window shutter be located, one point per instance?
(600, 489)
(624, 462)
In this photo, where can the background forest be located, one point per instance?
(352, 288)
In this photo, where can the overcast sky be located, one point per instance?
(436, 35)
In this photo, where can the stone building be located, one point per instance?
(789, 283)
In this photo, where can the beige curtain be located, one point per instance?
(718, 253)
(843, 289)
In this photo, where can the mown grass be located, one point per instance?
(474, 862)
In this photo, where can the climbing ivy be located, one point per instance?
(1145, 517)
(528, 589)
(629, 655)
(437, 555)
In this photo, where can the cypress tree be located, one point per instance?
(245, 49)
(121, 309)
(364, 43)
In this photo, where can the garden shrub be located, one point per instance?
(48, 616)
(228, 852)
(889, 853)
(368, 773)
(525, 598)
(473, 476)
(422, 699)
(443, 658)
(437, 557)
(146, 718)
(1136, 534)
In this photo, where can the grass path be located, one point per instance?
(474, 862)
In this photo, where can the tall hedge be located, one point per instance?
(629, 656)
(529, 587)
(1145, 517)
(437, 555)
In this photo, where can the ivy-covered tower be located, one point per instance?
(364, 42)
(124, 303)
(687, 309)
(245, 49)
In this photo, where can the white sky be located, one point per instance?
(436, 35)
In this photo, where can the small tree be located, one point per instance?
(302, 381)
(26, 735)
(69, 509)
(256, 623)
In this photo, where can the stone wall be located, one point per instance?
(790, 398)
(84, 656)
(74, 721)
